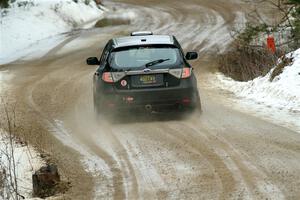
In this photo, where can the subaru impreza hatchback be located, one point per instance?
(144, 71)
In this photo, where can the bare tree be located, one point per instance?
(9, 178)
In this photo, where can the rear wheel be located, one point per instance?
(196, 105)
(98, 109)
(101, 111)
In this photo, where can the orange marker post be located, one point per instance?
(271, 44)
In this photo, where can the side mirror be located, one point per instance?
(191, 55)
(92, 61)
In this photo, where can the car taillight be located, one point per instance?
(117, 76)
(107, 77)
(176, 72)
(181, 73)
(186, 72)
(112, 77)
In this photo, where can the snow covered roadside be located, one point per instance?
(36, 26)
(27, 161)
(279, 99)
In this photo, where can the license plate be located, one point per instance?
(148, 79)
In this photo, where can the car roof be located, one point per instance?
(143, 40)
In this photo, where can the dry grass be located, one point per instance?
(1, 182)
(285, 61)
(245, 63)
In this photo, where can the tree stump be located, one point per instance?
(45, 181)
(98, 2)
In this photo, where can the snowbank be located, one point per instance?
(281, 94)
(24, 25)
(27, 160)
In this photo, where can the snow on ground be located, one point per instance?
(39, 25)
(92, 163)
(278, 99)
(27, 161)
(83, 40)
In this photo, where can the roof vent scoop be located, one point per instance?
(141, 33)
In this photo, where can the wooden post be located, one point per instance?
(45, 180)
(98, 2)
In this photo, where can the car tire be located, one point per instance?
(198, 103)
(97, 106)
(196, 106)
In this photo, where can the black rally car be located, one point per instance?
(144, 71)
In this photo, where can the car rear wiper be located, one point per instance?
(147, 65)
(155, 62)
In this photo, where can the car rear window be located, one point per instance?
(135, 57)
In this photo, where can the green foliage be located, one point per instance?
(296, 33)
(294, 1)
(250, 32)
(4, 3)
(296, 23)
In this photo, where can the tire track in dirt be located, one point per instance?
(153, 182)
(250, 175)
(158, 163)
(225, 175)
(101, 130)
(256, 180)
(126, 164)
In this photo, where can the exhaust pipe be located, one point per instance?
(148, 107)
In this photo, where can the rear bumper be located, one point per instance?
(184, 95)
(160, 97)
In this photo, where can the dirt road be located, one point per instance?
(222, 154)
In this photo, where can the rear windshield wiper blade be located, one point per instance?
(149, 64)
(155, 62)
